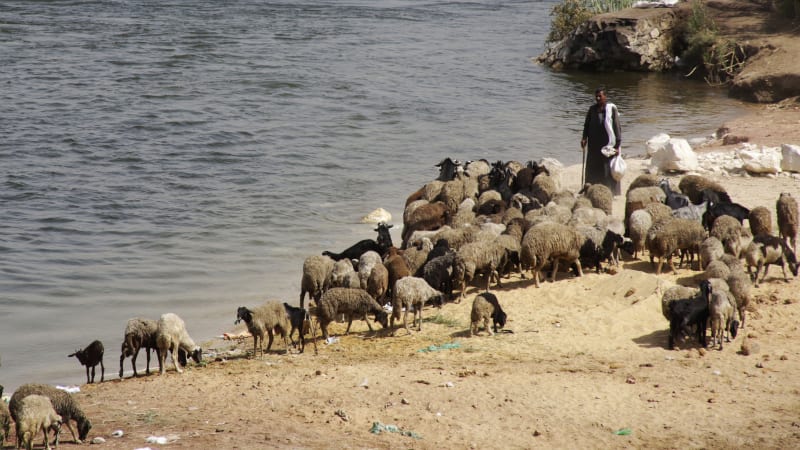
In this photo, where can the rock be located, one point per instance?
(790, 158)
(677, 155)
(98, 440)
(656, 143)
(767, 160)
(377, 216)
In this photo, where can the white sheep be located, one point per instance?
(344, 275)
(547, 242)
(36, 413)
(366, 262)
(740, 286)
(412, 292)
(172, 336)
(316, 277)
(269, 318)
(638, 226)
(353, 304)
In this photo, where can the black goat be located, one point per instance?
(710, 195)
(684, 314)
(381, 245)
(674, 200)
(716, 210)
(91, 356)
(448, 168)
(301, 321)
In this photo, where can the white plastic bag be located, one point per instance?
(617, 166)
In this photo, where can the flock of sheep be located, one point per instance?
(488, 219)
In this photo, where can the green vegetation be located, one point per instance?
(442, 320)
(714, 58)
(570, 13)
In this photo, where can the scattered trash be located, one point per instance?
(716, 372)
(70, 389)
(117, 434)
(235, 336)
(342, 414)
(156, 440)
(436, 348)
(448, 384)
(378, 428)
(623, 432)
(98, 440)
(364, 384)
(332, 340)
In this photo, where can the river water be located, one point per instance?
(187, 156)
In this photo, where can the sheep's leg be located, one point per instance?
(350, 322)
(87, 374)
(487, 327)
(555, 270)
(369, 325)
(269, 344)
(102, 371)
(162, 361)
(580, 269)
(405, 319)
(419, 311)
(175, 349)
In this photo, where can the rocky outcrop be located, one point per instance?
(635, 39)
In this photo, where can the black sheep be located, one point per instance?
(91, 356)
(717, 209)
(301, 321)
(684, 314)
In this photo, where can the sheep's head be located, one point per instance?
(384, 237)
(80, 354)
(243, 314)
(790, 257)
(83, 428)
(498, 319)
(382, 318)
(197, 354)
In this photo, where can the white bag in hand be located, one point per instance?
(618, 166)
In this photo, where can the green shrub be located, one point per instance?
(716, 59)
(569, 14)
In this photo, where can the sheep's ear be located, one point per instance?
(69, 356)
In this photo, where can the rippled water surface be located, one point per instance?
(186, 156)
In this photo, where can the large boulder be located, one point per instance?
(790, 158)
(676, 156)
(635, 39)
(766, 160)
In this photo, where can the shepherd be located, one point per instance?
(603, 137)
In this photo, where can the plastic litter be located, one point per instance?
(436, 348)
(623, 432)
(98, 440)
(161, 440)
(117, 434)
(332, 340)
(70, 389)
(378, 428)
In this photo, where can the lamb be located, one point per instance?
(36, 413)
(760, 220)
(550, 241)
(729, 231)
(786, 208)
(438, 273)
(694, 185)
(139, 333)
(740, 285)
(412, 292)
(710, 250)
(316, 277)
(63, 403)
(638, 226)
(686, 314)
(640, 197)
(430, 216)
(366, 263)
(300, 320)
(720, 312)
(664, 239)
(378, 282)
(644, 180)
(478, 257)
(396, 266)
(484, 307)
(600, 196)
(171, 335)
(767, 249)
(673, 293)
(269, 318)
(353, 303)
(716, 269)
(91, 356)
(344, 275)
(355, 251)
